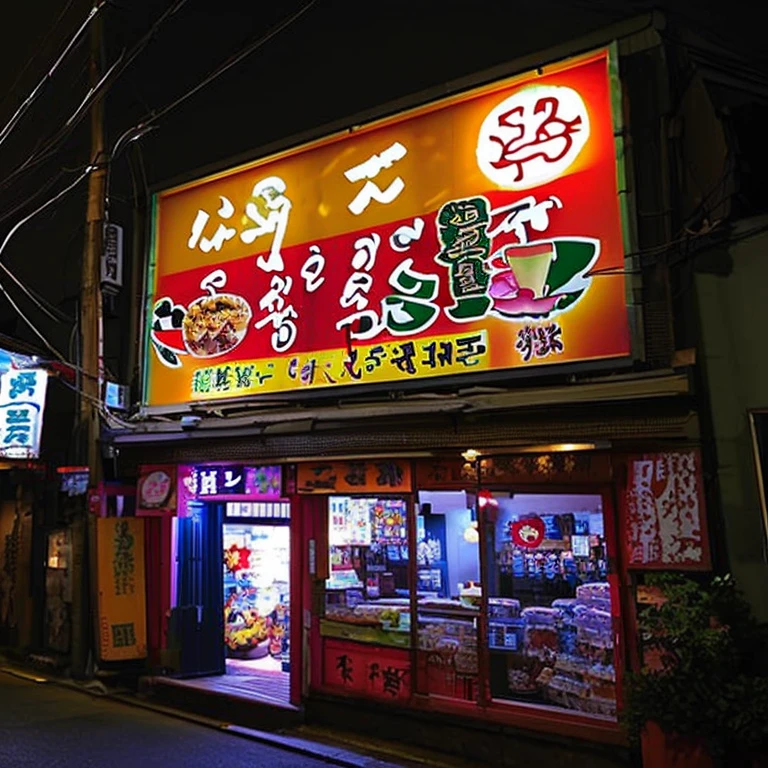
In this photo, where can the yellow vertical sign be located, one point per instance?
(121, 585)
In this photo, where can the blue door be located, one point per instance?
(197, 621)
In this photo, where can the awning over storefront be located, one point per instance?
(599, 412)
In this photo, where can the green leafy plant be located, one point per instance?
(709, 684)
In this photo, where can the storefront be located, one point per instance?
(497, 586)
(488, 591)
(435, 372)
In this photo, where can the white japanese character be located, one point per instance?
(273, 299)
(279, 314)
(208, 482)
(311, 271)
(271, 190)
(371, 168)
(230, 479)
(222, 234)
(366, 249)
(355, 290)
(285, 329)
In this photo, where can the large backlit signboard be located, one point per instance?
(479, 233)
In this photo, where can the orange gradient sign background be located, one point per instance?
(479, 233)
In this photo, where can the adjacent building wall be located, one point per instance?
(733, 313)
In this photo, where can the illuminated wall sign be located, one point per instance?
(479, 233)
(22, 402)
(227, 482)
(380, 475)
(156, 490)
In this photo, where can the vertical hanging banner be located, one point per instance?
(22, 402)
(666, 521)
(479, 233)
(122, 588)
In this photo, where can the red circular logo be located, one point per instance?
(528, 532)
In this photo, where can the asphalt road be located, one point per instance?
(43, 725)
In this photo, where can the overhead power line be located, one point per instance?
(38, 50)
(53, 143)
(154, 116)
(6, 131)
(18, 282)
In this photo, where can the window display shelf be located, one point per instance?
(453, 612)
(395, 637)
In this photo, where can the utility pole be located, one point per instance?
(83, 627)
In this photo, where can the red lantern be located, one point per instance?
(528, 532)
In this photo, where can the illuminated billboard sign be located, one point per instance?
(479, 233)
(22, 404)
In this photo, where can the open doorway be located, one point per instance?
(256, 585)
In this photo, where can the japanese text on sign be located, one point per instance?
(478, 234)
(121, 588)
(383, 475)
(22, 402)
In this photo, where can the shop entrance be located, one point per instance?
(256, 572)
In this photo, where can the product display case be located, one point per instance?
(367, 591)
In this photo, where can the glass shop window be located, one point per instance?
(448, 593)
(550, 636)
(369, 582)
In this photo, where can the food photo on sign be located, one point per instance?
(453, 238)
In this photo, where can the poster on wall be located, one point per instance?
(665, 517)
(121, 588)
(475, 234)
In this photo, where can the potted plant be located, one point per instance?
(701, 698)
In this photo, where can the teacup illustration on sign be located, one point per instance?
(215, 324)
(541, 279)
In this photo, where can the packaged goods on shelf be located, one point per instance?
(466, 659)
(540, 631)
(600, 706)
(435, 629)
(596, 594)
(387, 615)
(594, 627)
(567, 632)
(503, 608)
(520, 681)
(602, 681)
